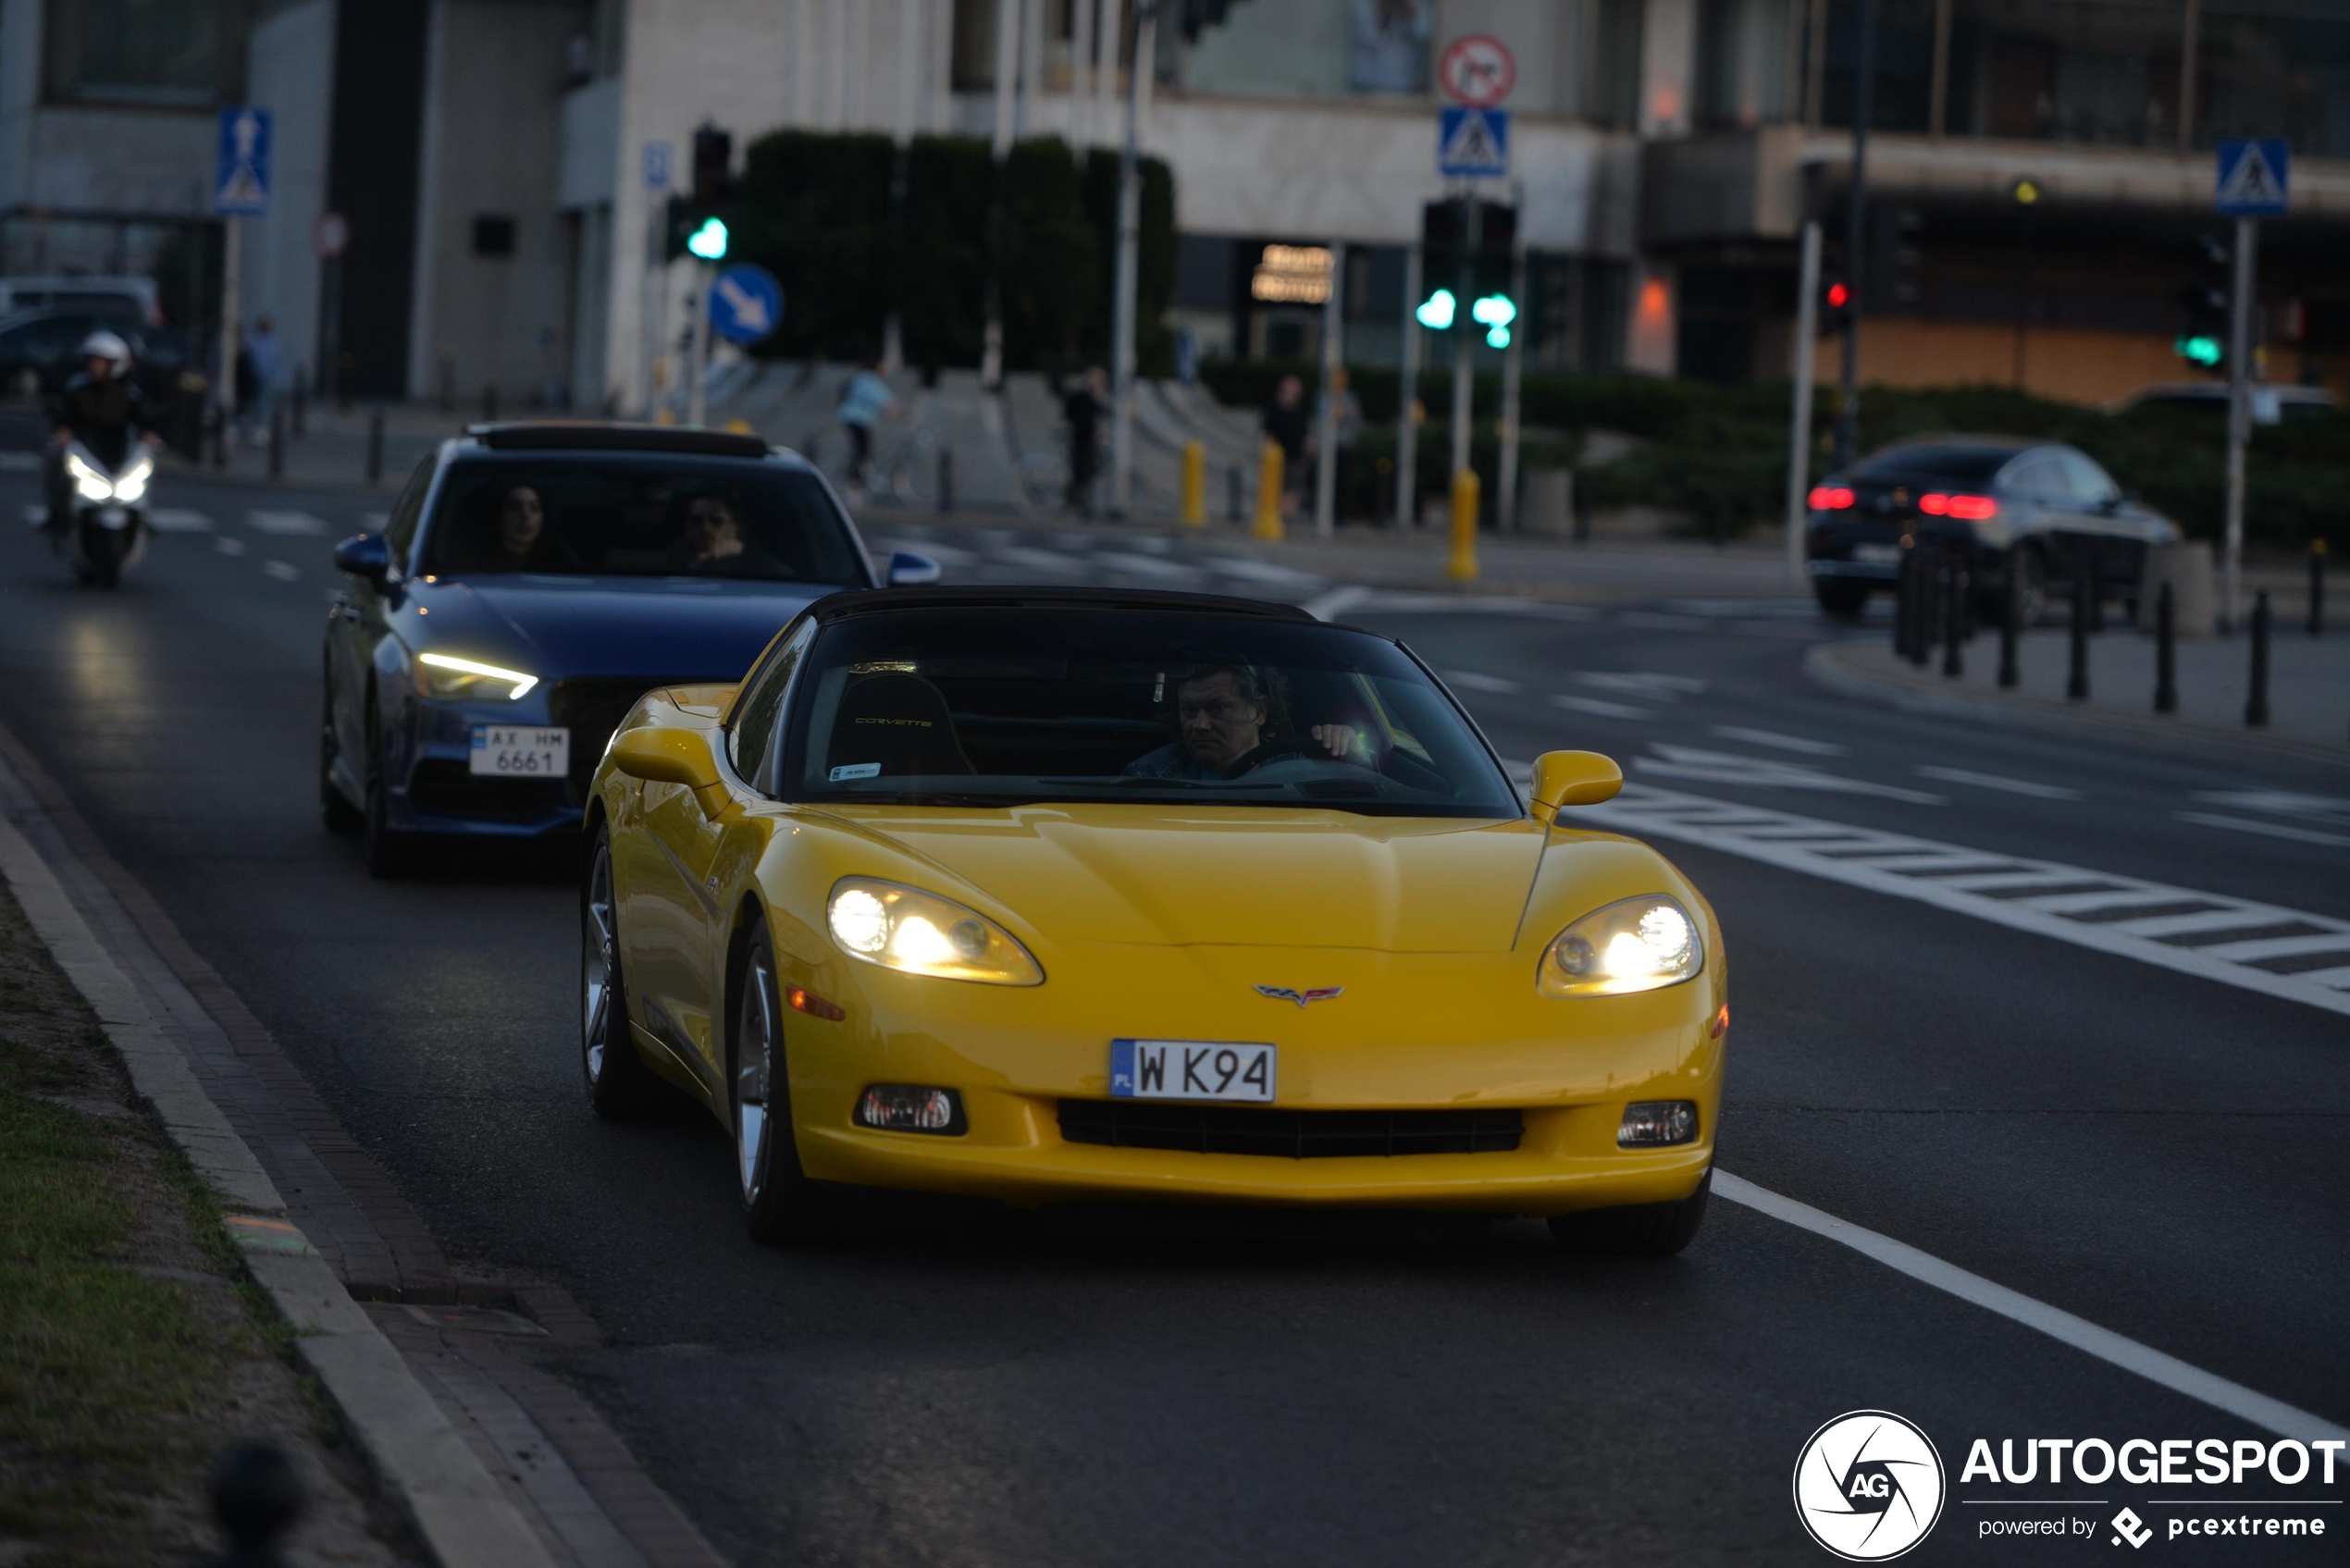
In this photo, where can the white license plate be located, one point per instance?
(502, 751)
(1882, 555)
(1190, 1069)
(113, 518)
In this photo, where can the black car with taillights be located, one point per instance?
(2047, 512)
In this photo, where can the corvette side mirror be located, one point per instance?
(666, 755)
(1574, 778)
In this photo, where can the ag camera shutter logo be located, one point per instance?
(1869, 1486)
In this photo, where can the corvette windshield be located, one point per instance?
(637, 514)
(1003, 706)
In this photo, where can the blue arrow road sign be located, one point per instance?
(2251, 176)
(746, 303)
(1471, 141)
(242, 183)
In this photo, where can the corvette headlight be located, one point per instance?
(88, 483)
(132, 485)
(1638, 945)
(445, 676)
(903, 928)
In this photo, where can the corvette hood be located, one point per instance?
(653, 626)
(1260, 878)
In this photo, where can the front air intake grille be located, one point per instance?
(439, 787)
(1294, 1135)
(591, 708)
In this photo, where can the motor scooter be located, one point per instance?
(106, 527)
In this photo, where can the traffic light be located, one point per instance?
(695, 226)
(1468, 277)
(709, 238)
(1836, 302)
(714, 163)
(2203, 304)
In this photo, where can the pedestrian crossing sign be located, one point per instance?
(242, 183)
(2251, 176)
(1472, 141)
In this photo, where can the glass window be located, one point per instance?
(399, 530)
(2089, 485)
(754, 720)
(1745, 62)
(1973, 467)
(1611, 54)
(2275, 67)
(2038, 477)
(2100, 71)
(1902, 98)
(628, 515)
(171, 52)
(997, 707)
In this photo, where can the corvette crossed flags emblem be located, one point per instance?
(1311, 993)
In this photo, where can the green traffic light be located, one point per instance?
(2198, 349)
(708, 242)
(1437, 311)
(1496, 311)
(1499, 338)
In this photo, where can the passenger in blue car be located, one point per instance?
(1224, 728)
(520, 542)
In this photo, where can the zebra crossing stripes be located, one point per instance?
(2261, 948)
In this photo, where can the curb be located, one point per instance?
(1831, 664)
(452, 1500)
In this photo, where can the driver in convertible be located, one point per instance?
(1221, 715)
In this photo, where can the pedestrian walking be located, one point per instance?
(261, 376)
(1083, 407)
(1287, 424)
(863, 403)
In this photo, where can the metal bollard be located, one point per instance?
(2096, 599)
(2166, 653)
(1270, 458)
(947, 478)
(219, 434)
(301, 396)
(1954, 587)
(1461, 567)
(2255, 709)
(489, 401)
(1921, 607)
(2010, 612)
(1233, 495)
(1901, 615)
(2316, 588)
(375, 445)
(2077, 687)
(1195, 484)
(277, 443)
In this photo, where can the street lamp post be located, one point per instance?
(1848, 419)
(1129, 241)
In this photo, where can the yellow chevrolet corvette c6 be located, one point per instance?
(1043, 894)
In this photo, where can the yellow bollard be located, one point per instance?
(1461, 567)
(1195, 484)
(1268, 492)
(739, 428)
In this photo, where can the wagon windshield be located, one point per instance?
(1002, 706)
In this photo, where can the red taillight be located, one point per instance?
(1830, 497)
(1967, 509)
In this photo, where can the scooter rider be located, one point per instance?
(100, 408)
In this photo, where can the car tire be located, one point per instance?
(1843, 600)
(620, 1086)
(1642, 1231)
(335, 809)
(389, 854)
(780, 1204)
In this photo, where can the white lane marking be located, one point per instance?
(1469, 680)
(372, 521)
(2267, 830)
(1037, 560)
(1136, 564)
(1335, 603)
(1764, 772)
(1650, 684)
(35, 511)
(1993, 781)
(286, 524)
(2282, 947)
(2206, 920)
(1772, 738)
(19, 461)
(2333, 807)
(1264, 571)
(1650, 620)
(1599, 706)
(2115, 1349)
(281, 570)
(1733, 829)
(228, 545)
(1154, 544)
(178, 519)
(1992, 881)
(945, 555)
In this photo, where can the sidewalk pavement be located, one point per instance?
(2309, 685)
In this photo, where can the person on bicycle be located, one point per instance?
(864, 400)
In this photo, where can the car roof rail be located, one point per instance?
(863, 601)
(589, 435)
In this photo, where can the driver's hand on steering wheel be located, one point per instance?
(1339, 740)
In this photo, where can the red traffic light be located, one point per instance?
(1839, 294)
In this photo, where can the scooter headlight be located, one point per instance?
(88, 483)
(131, 487)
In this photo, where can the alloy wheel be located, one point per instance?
(596, 932)
(754, 1071)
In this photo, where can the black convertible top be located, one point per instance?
(868, 601)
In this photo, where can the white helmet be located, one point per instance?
(107, 346)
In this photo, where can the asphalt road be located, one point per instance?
(2159, 1153)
